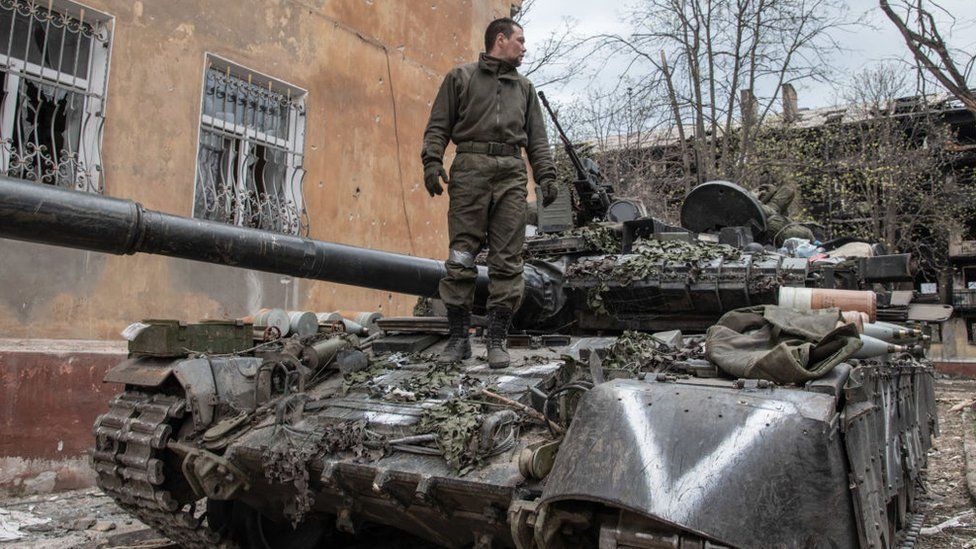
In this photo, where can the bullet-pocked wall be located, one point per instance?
(370, 69)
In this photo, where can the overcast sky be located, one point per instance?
(870, 45)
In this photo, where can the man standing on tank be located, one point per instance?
(491, 112)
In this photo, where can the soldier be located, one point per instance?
(776, 199)
(491, 112)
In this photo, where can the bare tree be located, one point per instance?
(883, 174)
(930, 49)
(701, 54)
(550, 60)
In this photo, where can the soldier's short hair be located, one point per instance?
(505, 25)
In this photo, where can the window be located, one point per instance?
(250, 157)
(53, 68)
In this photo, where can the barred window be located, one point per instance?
(53, 70)
(250, 157)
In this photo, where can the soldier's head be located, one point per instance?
(505, 40)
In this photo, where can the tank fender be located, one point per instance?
(746, 467)
(208, 381)
(143, 371)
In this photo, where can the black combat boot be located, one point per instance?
(459, 345)
(499, 319)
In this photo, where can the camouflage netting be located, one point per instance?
(599, 237)
(638, 352)
(291, 450)
(456, 423)
(645, 260)
(646, 254)
(424, 307)
(429, 383)
(646, 257)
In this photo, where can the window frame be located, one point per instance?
(93, 88)
(292, 146)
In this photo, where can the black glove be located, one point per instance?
(433, 173)
(549, 192)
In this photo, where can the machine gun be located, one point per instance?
(594, 198)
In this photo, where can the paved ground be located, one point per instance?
(88, 519)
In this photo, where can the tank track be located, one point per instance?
(129, 461)
(908, 536)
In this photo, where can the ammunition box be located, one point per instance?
(173, 338)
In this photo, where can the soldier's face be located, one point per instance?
(511, 49)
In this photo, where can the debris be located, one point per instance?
(11, 523)
(39, 527)
(103, 526)
(524, 409)
(82, 523)
(964, 404)
(953, 522)
(43, 483)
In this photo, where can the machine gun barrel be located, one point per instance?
(582, 174)
(49, 215)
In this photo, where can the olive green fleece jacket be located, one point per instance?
(489, 101)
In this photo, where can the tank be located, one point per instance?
(611, 428)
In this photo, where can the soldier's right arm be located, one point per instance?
(443, 115)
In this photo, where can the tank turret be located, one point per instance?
(637, 274)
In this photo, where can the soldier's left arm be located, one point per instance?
(537, 145)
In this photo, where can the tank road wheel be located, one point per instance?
(250, 529)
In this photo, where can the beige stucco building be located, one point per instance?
(360, 74)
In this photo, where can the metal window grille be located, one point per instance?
(53, 70)
(250, 157)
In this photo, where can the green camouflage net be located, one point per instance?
(456, 423)
(419, 387)
(600, 238)
(647, 255)
(291, 451)
(638, 353)
(646, 260)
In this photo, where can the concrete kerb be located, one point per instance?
(969, 449)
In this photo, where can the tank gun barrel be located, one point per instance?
(49, 215)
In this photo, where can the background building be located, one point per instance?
(301, 116)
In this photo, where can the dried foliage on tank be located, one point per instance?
(637, 353)
(677, 276)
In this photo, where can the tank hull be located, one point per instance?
(692, 459)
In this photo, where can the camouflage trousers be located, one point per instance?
(488, 195)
